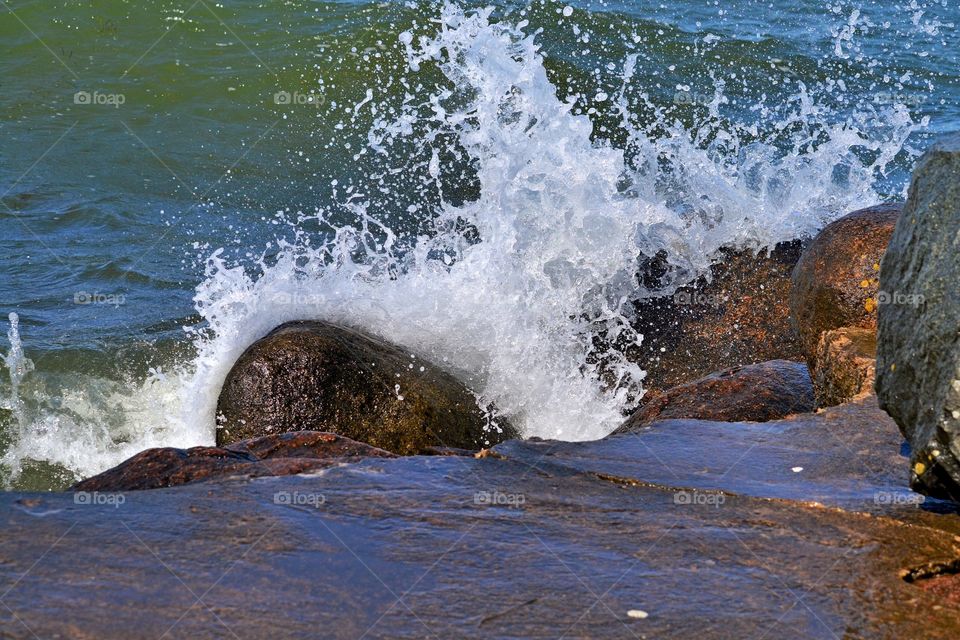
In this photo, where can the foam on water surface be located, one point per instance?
(510, 287)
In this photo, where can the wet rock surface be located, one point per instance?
(544, 539)
(757, 393)
(841, 456)
(277, 455)
(738, 316)
(836, 281)
(319, 376)
(918, 350)
(844, 365)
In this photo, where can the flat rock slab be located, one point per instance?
(841, 456)
(536, 540)
(405, 549)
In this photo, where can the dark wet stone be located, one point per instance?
(315, 375)
(757, 393)
(740, 315)
(844, 453)
(918, 344)
(717, 539)
(276, 455)
(836, 281)
(845, 365)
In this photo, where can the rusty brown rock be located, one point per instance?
(316, 375)
(845, 365)
(754, 393)
(945, 588)
(275, 455)
(836, 281)
(740, 315)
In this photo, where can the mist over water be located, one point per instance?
(484, 193)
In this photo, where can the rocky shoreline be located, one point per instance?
(358, 490)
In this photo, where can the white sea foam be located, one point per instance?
(508, 290)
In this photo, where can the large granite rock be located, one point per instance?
(836, 281)
(756, 393)
(319, 376)
(918, 352)
(739, 315)
(276, 455)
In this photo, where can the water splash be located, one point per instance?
(532, 228)
(18, 366)
(512, 288)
